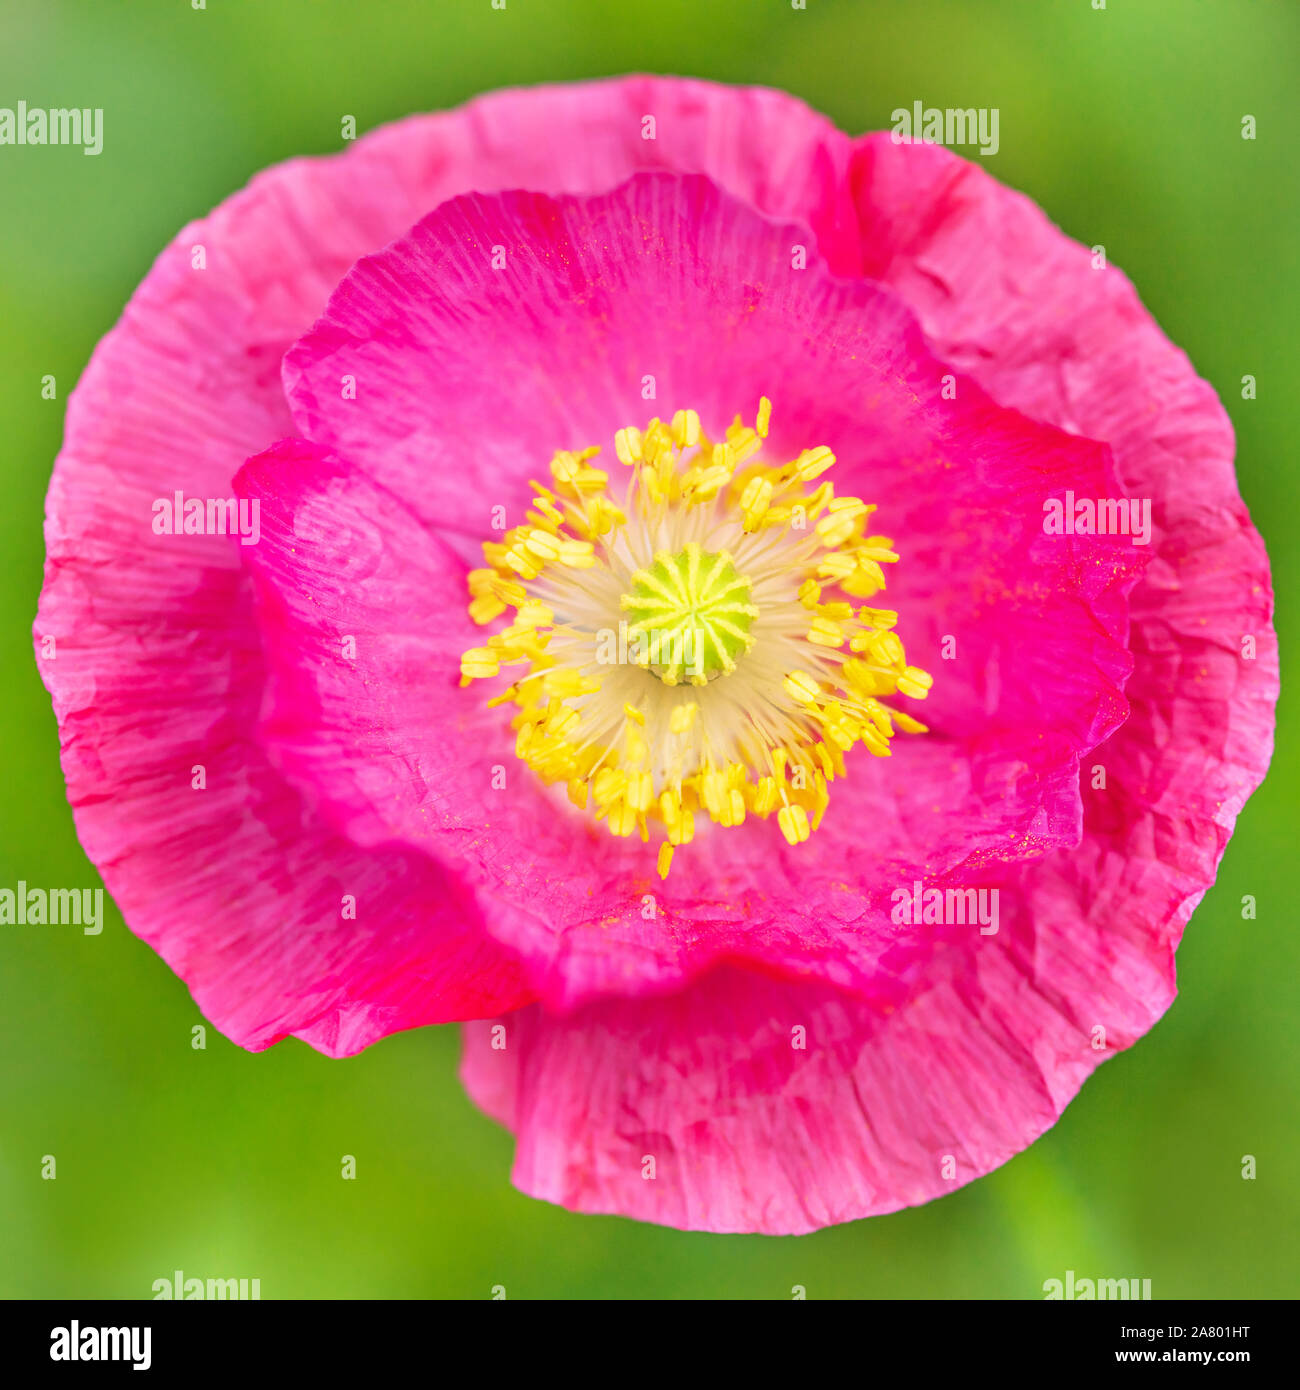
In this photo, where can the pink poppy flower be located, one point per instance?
(801, 795)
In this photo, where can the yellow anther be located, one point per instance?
(564, 467)
(640, 791)
(486, 607)
(479, 663)
(509, 591)
(705, 483)
(627, 445)
(867, 680)
(744, 442)
(686, 429)
(802, 687)
(754, 501)
(578, 555)
(825, 632)
(882, 618)
(765, 796)
(877, 742)
(764, 417)
(839, 564)
(878, 548)
(883, 647)
(608, 785)
(523, 564)
(665, 860)
(812, 463)
(841, 521)
(532, 613)
(592, 480)
(562, 722)
(793, 821)
(840, 729)
(548, 513)
(915, 682)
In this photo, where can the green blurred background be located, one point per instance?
(1124, 125)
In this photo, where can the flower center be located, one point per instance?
(690, 612)
(629, 612)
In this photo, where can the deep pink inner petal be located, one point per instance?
(469, 373)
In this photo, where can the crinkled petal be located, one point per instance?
(749, 1104)
(1021, 307)
(158, 665)
(468, 376)
(1083, 963)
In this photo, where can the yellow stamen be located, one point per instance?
(716, 571)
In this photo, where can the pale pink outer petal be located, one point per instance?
(157, 666)
(781, 1108)
(1005, 295)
